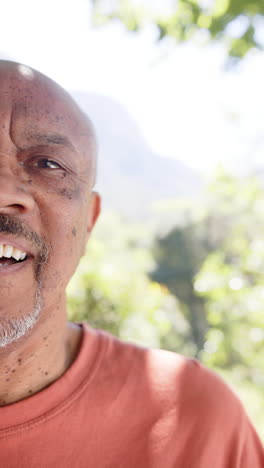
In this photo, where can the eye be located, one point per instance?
(46, 164)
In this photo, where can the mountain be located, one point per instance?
(131, 177)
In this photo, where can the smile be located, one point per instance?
(10, 255)
(12, 258)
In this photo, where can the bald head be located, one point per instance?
(47, 170)
(47, 113)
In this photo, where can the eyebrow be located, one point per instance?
(52, 139)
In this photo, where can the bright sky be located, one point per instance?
(187, 106)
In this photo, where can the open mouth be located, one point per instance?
(10, 255)
(10, 261)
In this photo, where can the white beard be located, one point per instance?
(14, 328)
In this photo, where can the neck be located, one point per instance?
(36, 361)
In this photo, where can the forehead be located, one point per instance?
(35, 104)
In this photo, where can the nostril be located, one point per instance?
(15, 205)
(12, 208)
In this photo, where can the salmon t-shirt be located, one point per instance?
(122, 406)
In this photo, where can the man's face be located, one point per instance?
(45, 186)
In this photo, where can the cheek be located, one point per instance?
(63, 204)
(66, 231)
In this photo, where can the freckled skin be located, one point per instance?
(46, 182)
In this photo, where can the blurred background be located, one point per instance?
(175, 90)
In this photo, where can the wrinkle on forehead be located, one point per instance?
(37, 102)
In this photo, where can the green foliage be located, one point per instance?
(178, 257)
(188, 17)
(218, 259)
(231, 278)
(112, 290)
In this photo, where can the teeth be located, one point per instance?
(8, 251)
(18, 255)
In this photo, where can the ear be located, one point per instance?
(94, 210)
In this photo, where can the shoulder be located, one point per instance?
(170, 378)
(175, 398)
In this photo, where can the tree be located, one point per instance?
(112, 290)
(236, 22)
(179, 256)
(231, 277)
(215, 267)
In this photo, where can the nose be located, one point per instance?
(15, 197)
